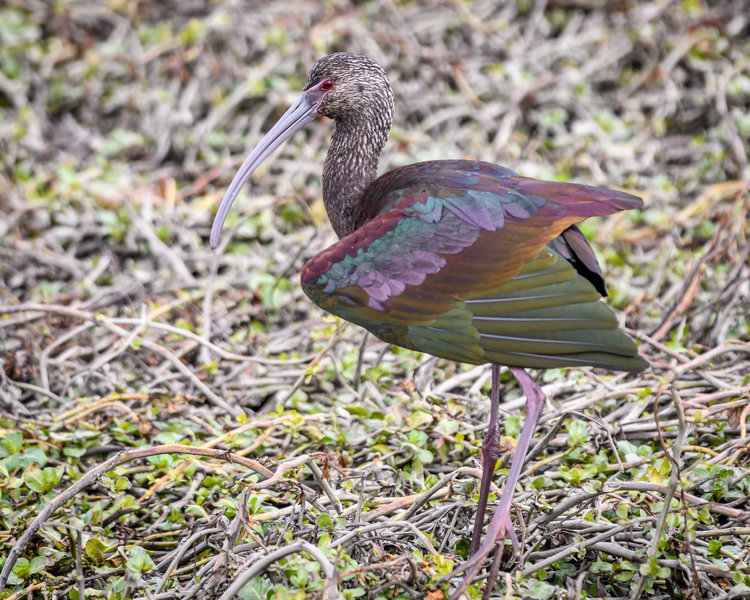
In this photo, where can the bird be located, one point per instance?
(461, 259)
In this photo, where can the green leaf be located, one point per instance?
(37, 564)
(541, 589)
(42, 481)
(211, 481)
(652, 568)
(255, 503)
(95, 550)
(298, 574)
(381, 449)
(255, 589)
(27, 458)
(121, 484)
(324, 521)
(418, 438)
(578, 432)
(21, 568)
(169, 437)
(139, 561)
(601, 567)
(12, 443)
(663, 572)
(196, 511)
(720, 563)
(230, 504)
(589, 471)
(417, 419)
(358, 410)
(447, 426)
(512, 426)
(541, 482)
(125, 501)
(74, 451)
(462, 547)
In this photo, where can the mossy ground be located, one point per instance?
(121, 124)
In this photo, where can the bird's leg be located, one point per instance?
(490, 446)
(493, 574)
(501, 524)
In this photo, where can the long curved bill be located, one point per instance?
(301, 112)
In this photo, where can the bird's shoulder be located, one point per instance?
(437, 181)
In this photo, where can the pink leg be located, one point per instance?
(490, 446)
(501, 523)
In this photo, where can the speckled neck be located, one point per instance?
(352, 161)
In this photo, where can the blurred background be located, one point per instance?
(121, 124)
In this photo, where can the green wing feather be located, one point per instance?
(546, 316)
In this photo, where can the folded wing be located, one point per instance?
(476, 264)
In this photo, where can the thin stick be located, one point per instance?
(330, 590)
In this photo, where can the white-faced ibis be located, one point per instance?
(461, 259)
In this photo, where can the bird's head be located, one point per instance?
(353, 84)
(341, 86)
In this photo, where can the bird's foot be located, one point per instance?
(500, 527)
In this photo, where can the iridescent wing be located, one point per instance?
(464, 260)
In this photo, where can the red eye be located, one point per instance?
(326, 85)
